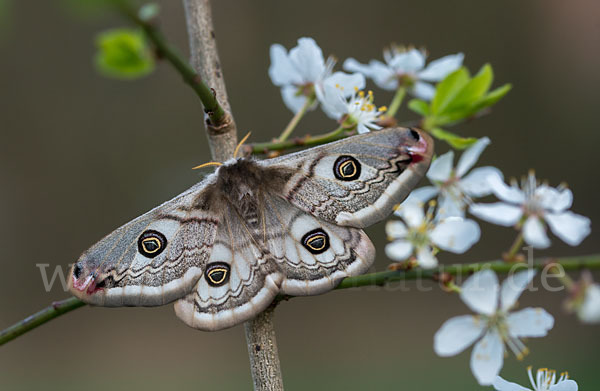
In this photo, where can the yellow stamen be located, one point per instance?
(237, 149)
(207, 164)
(382, 109)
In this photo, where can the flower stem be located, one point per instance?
(294, 121)
(564, 279)
(452, 287)
(396, 102)
(514, 249)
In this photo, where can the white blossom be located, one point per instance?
(456, 187)
(546, 380)
(534, 205)
(357, 110)
(589, 311)
(421, 234)
(494, 327)
(407, 68)
(303, 70)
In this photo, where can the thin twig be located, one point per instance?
(166, 51)
(382, 278)
(306, 141)
(591, 262)
(54, 310)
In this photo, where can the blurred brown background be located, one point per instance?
(81, 154)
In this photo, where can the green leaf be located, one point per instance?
(472, 91)
(454, 140)
(123, 54)
(491, 98)
(419, 106)
(448, 88)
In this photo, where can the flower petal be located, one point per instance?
(506, 193)
(589, 312)
(502, 385)
(450, 206)
(534, 233)
(281, 70)
(421, 195)
(425, 257)
(423, 91)
(412, 214)
(410, 61)
(441, 168)
(307, 59)
(456, 334)
(352, 65)
(487, 358)
(529, 322)
(396, 229)
(513, 286)
(565, 385)
(332, 101)
(470, 156)
(399, 250)
(480, 292)
(497, 213)
(476, 183)
(440, 68)
(292, 100)
(554, 199)
(383, 76)
(570, 227)
(455, 234)
(348, 83)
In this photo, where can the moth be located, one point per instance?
(253, 229)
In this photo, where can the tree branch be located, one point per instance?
(260, 332)
(262, 349)
(591, 262)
